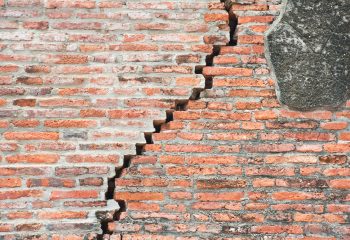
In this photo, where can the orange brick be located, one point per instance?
(34, 158)
(139, 196)
(31, 135)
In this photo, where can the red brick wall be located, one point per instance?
(82, 81)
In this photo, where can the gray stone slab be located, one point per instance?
(309, 53)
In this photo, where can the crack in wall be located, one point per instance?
(180, 105)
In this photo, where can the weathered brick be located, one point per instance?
(42, 25)
(217, 184)
(73, 194)
(225, 196)
(62, 215)
(139, 196)
(31, 135)
(10, 182)
(69, 123)
(255, 19)
(220, 71)
(20, 194)
(297, 196)
(33, 158)
(50, 182)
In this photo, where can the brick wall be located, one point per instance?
(84, 85)
(81, 82)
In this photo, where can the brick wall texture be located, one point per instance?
(152, 120)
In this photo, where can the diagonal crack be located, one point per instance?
(180, 105)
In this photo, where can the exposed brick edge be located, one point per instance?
(180, 105)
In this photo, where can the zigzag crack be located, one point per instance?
(180, 105)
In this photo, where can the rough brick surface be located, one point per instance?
(239, 165)
(83, 81)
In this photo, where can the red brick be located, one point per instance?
(70, 59)
(220, 71)
(334, 125)
(225, 196)
(259, 28)
(181, 115)
(255, 19)
(225, 217)
(73, 194)
(143, 206)
(269, 148)
(255, 93)
(2, 102)
(31, 227)
(80, 69)
(232, 136)
(69, 123)
(26, 123)
(270, 171)
(38, 69)
(225, 60)
(251, 7)
(34, 158)
(333, 159)
(191, 171)
(30, 80)
(92, 113)
(31, 135)
(72, 4)
(20, 194)
(344, 136)
(217, 184)
(212, 17)
(42, 25)
(318, 115)
(50, 182)
(139, 196)
(340, 183)
(340, 208)
(19, 215)
(93, 158)
(337, 172)
(307, 159)
(77, 26)
(297, 196)
(250, 39)
(310, 136)
(243, 50)
(212, 160)
(8, 68)
(133, 47)
(333, 148)
(62, 215)
(180, 195)
(278, 229)
(10, 182)
(127, 114)
(61, 102)
(187, 81)
(188, 148)
(263, 182)
(265, 115)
